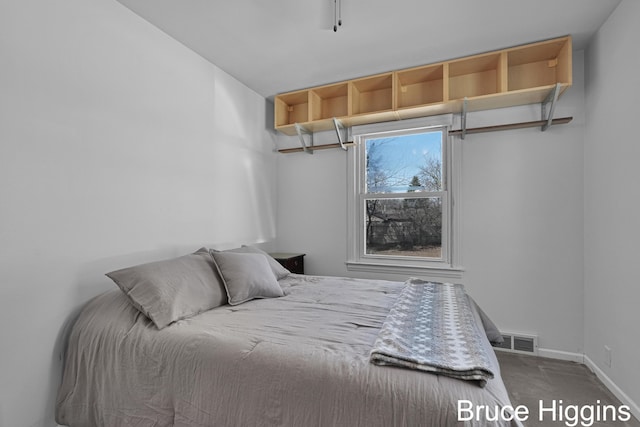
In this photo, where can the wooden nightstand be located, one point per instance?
(294, 262)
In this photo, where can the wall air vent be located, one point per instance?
(518, 343)
(507, 343)
(524, 344)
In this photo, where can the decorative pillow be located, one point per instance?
(246, 276)
(278, 270)
(166, 291)
(490, 328)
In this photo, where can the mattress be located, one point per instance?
(298, 360)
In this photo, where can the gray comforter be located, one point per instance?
(299, 360)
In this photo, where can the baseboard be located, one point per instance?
(585, 360)
(561, 355)
(613, 388)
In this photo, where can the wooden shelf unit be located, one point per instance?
(508, 77)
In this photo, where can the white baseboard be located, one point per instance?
(613, 388)
(585, 360)
(561, 355)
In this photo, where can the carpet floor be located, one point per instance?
(538, 382)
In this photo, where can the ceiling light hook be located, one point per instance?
(337, 15)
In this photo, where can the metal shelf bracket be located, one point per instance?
(339, 128)
(301, 131)
(463, 118)
(551, 99)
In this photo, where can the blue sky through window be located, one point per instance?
(394, 161)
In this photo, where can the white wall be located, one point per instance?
(118, 145)
(312, 206)
(522, 225)
(522, 228)
(612, 202)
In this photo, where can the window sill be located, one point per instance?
(443, 272)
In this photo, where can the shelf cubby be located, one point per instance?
(476, 76)
(372, 94)
(540, 64)
(292, 108)
(420, 86)
(329, 101)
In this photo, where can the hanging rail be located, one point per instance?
(469, 131)
(316, 147)
(510, 126)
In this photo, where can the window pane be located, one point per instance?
(404, 227)
(404, 163)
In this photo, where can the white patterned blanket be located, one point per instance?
(432, 327)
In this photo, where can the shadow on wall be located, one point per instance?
(58, 359)
(269, 116)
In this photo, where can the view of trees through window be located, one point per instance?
(404, 191)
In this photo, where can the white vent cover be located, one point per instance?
(519, 343)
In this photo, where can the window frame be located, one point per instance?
(448, 266)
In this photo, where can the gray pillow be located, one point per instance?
(491, 330)
(173, 289)
(246, 276)
(278, 270)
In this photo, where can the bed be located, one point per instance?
(301, 358)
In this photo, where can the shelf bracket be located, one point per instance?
(463, 118)
(339, 126)
(301, 131)
(551, 98)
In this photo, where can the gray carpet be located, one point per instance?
(530, 380)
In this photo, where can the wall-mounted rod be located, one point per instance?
(493, 128)
(316, 147)
(510, 126)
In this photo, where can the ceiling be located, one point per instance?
(275, 46)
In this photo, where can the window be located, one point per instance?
(401, 204)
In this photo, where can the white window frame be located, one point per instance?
(446, 268)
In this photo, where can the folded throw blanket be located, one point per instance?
(431, 327)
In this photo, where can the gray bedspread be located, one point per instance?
(431, 327)
(299, 360)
